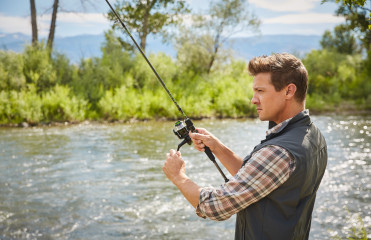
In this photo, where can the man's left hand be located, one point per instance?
(174, 166)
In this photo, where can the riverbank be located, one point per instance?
(335, 112)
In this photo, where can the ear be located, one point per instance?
(290, 91)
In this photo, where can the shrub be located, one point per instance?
(60, 105)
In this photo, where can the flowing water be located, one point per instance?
(93, 181)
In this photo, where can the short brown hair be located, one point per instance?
(285, 69)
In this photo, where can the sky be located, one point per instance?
(304, 17)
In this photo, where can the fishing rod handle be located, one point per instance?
(207, 149)
(212, 158)
(209, 153)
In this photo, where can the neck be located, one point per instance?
(290, 110)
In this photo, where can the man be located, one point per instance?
(273, 189)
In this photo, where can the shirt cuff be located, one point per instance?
(204, 194)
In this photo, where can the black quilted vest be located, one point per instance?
(286, 212)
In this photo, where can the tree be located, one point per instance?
(224, 19)
(52, 25)
(193, 51)
(342, 40)
(148, 16)
(33, 22)
(357, 17)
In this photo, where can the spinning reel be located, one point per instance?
(182, 132)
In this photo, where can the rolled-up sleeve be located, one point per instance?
(265, 171)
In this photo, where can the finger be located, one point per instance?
(201, 149)
(199, 145)
(172, 152)
(164, 169)
(197, 136)
(202, 131)
(199, 142)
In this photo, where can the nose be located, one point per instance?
(254, 100)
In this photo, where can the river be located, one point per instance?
(105, 181)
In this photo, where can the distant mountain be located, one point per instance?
(14, 41)
(75, 48)
(86, 46)
(81, 46)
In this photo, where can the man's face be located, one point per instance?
(269, 103)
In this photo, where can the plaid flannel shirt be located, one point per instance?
(265, 171)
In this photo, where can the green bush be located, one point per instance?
(128, 103)
(38, 67)
(88, 81)
(11, 71)
(60, 105)
(233, 92)
(336, 78)
(23, 106)
(119, 104)
(36, 87)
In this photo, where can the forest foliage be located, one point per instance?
(120, 86)
(37, 86)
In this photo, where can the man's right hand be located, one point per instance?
(203, 138)
(226, 156)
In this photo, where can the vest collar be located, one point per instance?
(284, 124)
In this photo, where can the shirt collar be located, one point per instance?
(283, 124)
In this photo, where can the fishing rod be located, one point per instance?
(180, 130)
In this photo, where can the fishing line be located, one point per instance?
(180, 130)
(149, 63)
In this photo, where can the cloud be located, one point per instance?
(305, 18)
(79, 18)
(11, 24)
(285, 5)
